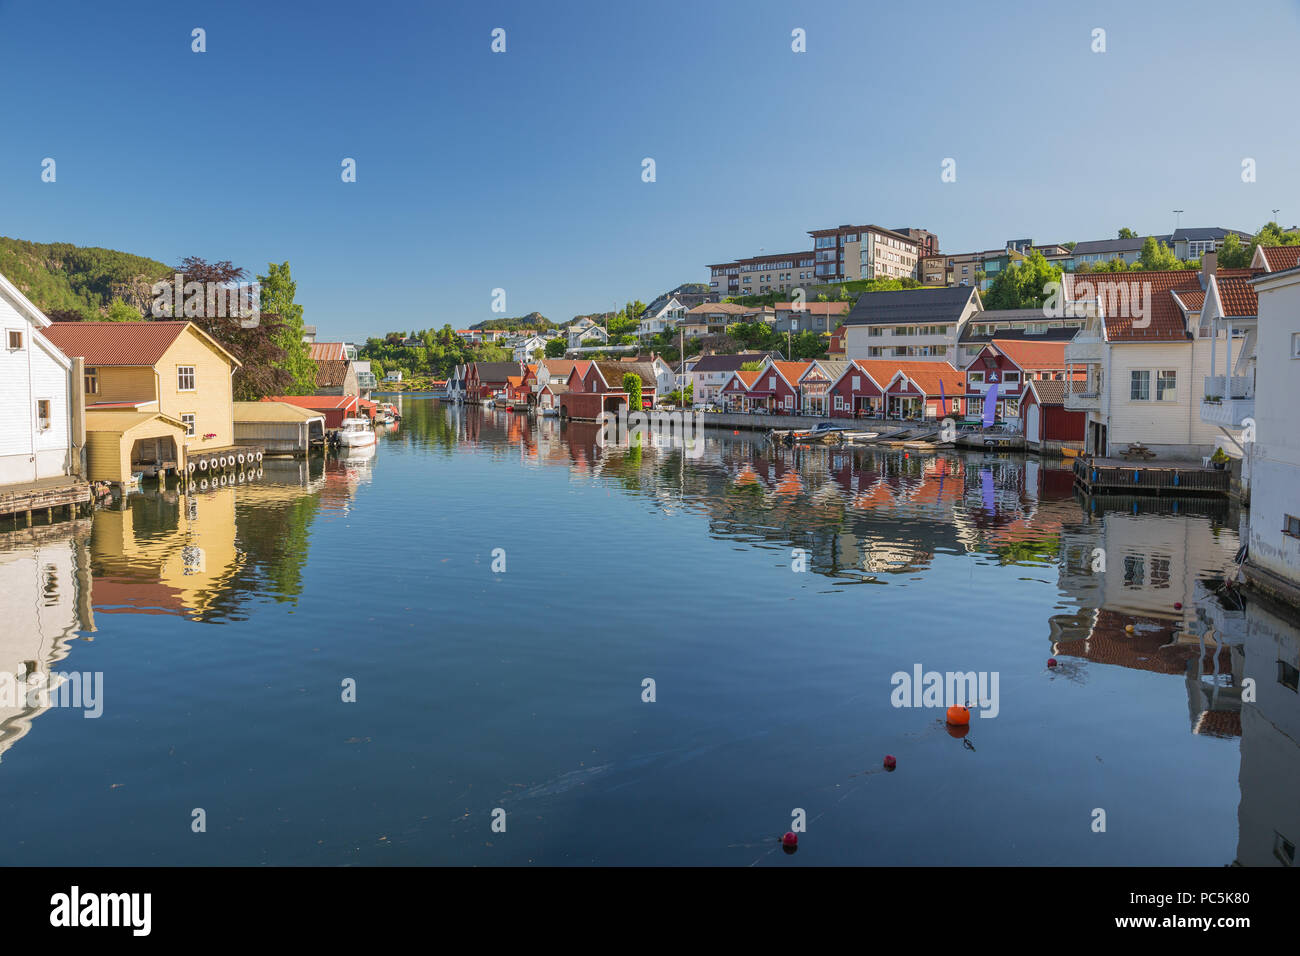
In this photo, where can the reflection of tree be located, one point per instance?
(273, 535)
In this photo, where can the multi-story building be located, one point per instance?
(779, 272)
(927, 243)
(910, 324)
(846, 253)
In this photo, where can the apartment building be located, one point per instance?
(846, 253)
(927, 243)
(779, 272)
(910, 324)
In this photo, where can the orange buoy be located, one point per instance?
(958, 716)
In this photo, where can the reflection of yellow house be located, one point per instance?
(179, 570)
(172, 373)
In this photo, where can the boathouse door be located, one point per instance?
(1031, 423)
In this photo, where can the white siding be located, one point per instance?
(36, 371)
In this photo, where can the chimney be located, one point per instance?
(1209, 264)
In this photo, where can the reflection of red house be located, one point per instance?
(335, 408)
(596, 387)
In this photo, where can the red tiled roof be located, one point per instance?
(1032, 356)
(924, 375)
(1049, 392)
(1281, 258)
(328, 351)
(318, 403)
(1237, 295)
(331, 373)
(1193, 299)
(747, 378)
(1165, 323)
(115, 343)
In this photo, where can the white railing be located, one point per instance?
(1225, 386)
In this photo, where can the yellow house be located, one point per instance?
(157, 394)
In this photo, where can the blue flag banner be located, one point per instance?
(990, 404)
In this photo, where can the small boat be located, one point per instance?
(355, 433)
(549, 411)
(520, 407)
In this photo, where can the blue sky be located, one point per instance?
(522, 170)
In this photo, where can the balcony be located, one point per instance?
(1084, 349)
(1083, 396)
(1229, 400)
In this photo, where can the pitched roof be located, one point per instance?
(317, 402)
(328, 351)
(331, 373)
(729, 363)
(932, 378)
(1193, 300)
(747, 377)
(792, 371)
(1032, 356)
(1281, 258)
(1202, 233)
(1237, 295)
(1049, 391)
(613, 372)
(1113, 289)
(272, 412)
(558, 368)
(121, 343)
(496, 371)
(910, 305)
(1112, 246)
(730, 308)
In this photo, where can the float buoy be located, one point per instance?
(958, 716)
(240, 457)
(203, 484)
(190, 468)
(890, 762)
(1051, 662)
(1178, 605)
(790, 839)
(1128, 628)
(203, 464)
(259, 456)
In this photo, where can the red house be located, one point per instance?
(924, 390)
(335, 408)
(776, 390)
(596, 387)
(858, 393)
(483, 380)
(1011, 364)
(1045, 418)
(735, 394)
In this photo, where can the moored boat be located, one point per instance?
(355, 433)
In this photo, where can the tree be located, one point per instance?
(632, 385)
(1127, 233)
(555, 348)
(277, 293)
(1023, 285)
(1232, 254)
(119, 311)
(1157, 257)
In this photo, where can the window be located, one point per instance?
(839, 402)
(1139, 386)
(876, 331)
(15, 339)
(789, 401)
(1167, 386)
(1011, 378)
(857, 382)
(771, 383)
(43, 419)
(876, 351)
(1288, 676)
(1011, 408)
(1295, 345)
(1291, 525)
(185, 378)
(975, 378)
(188, 420)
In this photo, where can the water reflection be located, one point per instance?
(1138, 585)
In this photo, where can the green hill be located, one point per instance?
(59, 276)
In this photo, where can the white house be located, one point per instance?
(40, 396)
(524, 348)
(586, 334)
(660, 318)
(1273, 561)
(1148, 354)
(393, 376)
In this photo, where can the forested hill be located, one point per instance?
(59, 276)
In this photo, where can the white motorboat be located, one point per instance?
(356, 433)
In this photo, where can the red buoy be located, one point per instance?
(1051, 662)
(1178, 605)
(789, 840)
(890, 762)
(958, 716)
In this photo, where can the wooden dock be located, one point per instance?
(64, 494)
(1118, 476)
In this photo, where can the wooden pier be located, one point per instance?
(1118, 476)
(62, 496)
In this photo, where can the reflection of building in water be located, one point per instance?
(165, 553)
(44, 603)
(1268, 817)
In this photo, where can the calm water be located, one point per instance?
(225, 622)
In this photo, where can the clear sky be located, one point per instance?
(523, 170)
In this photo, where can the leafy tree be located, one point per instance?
(277, 294)
(632, 385)
(1069, 245)
(119, 311)
(1023, 285)
(555, 348)
(1127, 233)
(1232, 254)
(1157, 257)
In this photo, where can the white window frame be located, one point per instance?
(49, 414)
(189, 421)
(194, 378)
(1133, 380)
(1166, 398)
(9, 344)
